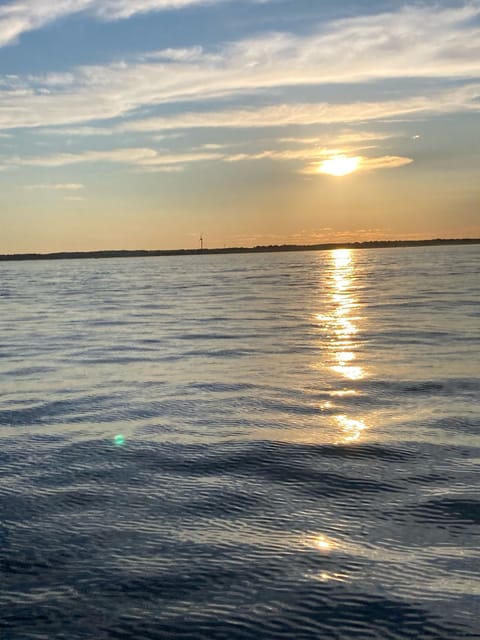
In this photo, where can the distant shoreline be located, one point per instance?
(139, 253)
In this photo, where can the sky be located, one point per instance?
(145, 124)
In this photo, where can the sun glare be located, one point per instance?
(339, 165)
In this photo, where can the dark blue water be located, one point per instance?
(234, 447)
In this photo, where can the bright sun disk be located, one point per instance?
(339, 165)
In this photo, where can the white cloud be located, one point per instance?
(21, 16)
(55, 187)
(462, 99)
(148, 160)
(77, 131)
(140, 157)
(383, 162)
(116, 9)
(414, 42)
(343, 137)
(18, 17)
(315, 156)
(365, 164)
(161, 168)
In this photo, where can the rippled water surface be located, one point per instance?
(241, 446)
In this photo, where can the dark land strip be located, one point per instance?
(138, 253)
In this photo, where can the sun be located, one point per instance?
(339, 165)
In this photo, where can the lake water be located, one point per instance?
(227, 447)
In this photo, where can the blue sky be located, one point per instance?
(143, 123)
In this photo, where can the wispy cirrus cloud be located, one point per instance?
(308, 157)
(342, 137)
(119, 9)
(383, 162)
(70, 186)
(78, 131)
(414, 42)
(465, 98)
(312, 156)
(364, 163)
(21, 16)
(140, 157)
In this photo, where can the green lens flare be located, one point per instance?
(119, 440)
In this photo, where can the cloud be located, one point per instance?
(364, 164)
(117, 9)
(55, 187)
(384, 162)
(77, 131)
(315, 156)
(21, 16)
(414, 42)
(161, 168)
(462, 99)
(140, 157)
(148, 160)
(283, 115)
(344, 137)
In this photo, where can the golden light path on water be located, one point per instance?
(343, 325)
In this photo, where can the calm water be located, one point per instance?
(234, 447)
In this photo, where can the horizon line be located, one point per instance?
(272, 248)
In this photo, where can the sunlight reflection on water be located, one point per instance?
(343, 327)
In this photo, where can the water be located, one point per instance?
(241, 446)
